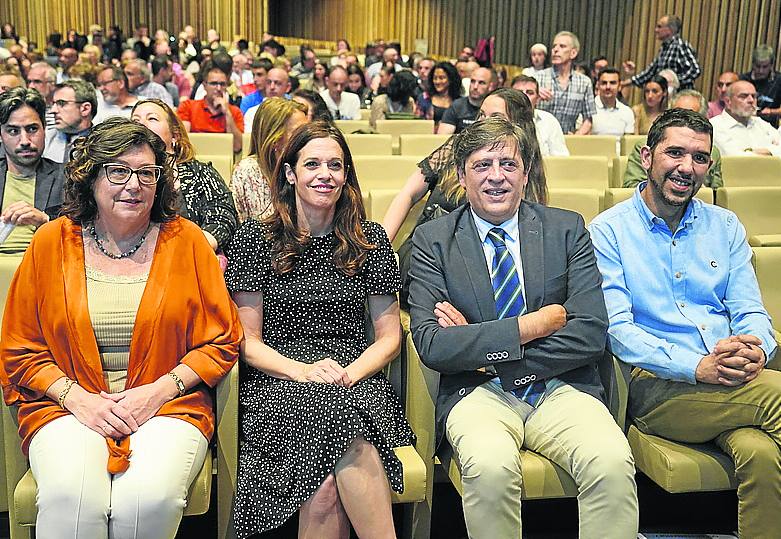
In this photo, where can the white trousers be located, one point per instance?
(487, 429)
(77, 497)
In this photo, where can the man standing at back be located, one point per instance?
(685, 309)
(505, 302)
(463, 111)
(565, 93)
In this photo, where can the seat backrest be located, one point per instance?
(628, 143)
(222, 163)
(606, 145)
(379, 202)
(403, 127)
(351, 126)
(767, 262)
(580, 172)
(586, 202)
(212, 143)
(369, 144)
(420, 144)
(758, 208)
(384, 172)
(246, 140)
(750, 171)
(619, 168)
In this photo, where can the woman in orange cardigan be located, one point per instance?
(116, 324)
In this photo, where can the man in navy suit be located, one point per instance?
(505, 303)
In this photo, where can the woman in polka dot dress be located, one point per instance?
(319, 421)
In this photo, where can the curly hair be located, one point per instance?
(105, 143)
(454, 80)
(288, 241)
(180, 140)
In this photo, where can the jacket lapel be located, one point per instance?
(44, 181)
(471, 249)
(530, 233)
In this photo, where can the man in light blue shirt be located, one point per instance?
(684, 306)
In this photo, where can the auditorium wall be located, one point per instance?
(722, 31)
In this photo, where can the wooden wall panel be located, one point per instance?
(722, 31)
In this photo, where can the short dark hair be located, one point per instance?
(596, 59)
(402, 87)
(19, 97)
(525, 78)
(264, 63)
(677, 118)
(83, 91)
(117, 73)
(610, 70)
(104, 143)
(158, 64)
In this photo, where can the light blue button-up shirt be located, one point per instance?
(671, 296)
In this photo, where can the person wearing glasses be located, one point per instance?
(213, 113)
(30, 184)
(319, 419)
(117, 326)
(74, 105)
(117, 99)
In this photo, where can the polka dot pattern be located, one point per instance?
(293, 433)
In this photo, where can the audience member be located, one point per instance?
(304, 68)
(675, 54)
(277, 85)
(317, 110)
(398, 99)
(565, 93)
(163, 74)
(213, 114)
(716, 107)
(463, 111)
(75, 106)
(356, 84)
(549, 134)
(30, 185)
(117, 99)
(612, 117)
(595, 68)
(685, 310)
(275, 120)
(316, 82)
(260, 69)
(767, 82)
(43, 77)
(688, 100)
(9, 80)
(68, 57)
(203, 194)
(738, 130)
(518, 364)
(155, 331)
(140, 84)
(654, 102)
(538, 57)
(316, 267)
(443, 89)
(240, 75)
(342, 105)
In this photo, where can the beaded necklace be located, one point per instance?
(129, 252)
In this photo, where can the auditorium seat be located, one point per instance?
(751, 171)
(379, 202)
(617, 171)
(759, 209)
(606, 145)
(246, 140)
(384, 172)
(614, 195)
(767, 263)
(212, 143)
(628, 143)
(579, 172)
(586, 202)
(222, 163)
(365, 113)
(404, 127)
(420, 144)
(351, 126)
(371, 144)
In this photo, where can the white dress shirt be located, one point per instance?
(733, 138)
(617, 120)
(549, 134)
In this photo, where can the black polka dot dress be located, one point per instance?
(294, 433)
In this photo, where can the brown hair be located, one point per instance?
(268, 128)
(288, 241)
(104, 143)
(183, 148)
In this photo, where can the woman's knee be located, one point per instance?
(325, 501)
(63, 501)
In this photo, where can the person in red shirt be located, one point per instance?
(208, 115)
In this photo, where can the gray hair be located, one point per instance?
(691, 93)
(83, 91)
(572, 37)
(143, 67)
(51, 73)
(674, 23)
(763, 53)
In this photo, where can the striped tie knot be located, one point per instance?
(497, 235)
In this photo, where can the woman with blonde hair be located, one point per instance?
(275, 120)
(202, 195)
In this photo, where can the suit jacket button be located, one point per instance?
(517, 381)
(462, 391)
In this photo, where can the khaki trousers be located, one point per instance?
(745, 421)
(487, 429)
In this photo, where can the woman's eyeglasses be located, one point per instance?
(119, 174)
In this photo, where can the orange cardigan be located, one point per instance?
(185, 316)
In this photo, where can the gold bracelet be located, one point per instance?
(179, 384)
(64, 392)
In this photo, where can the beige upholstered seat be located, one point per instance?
(371, 144)
(586, 202)
(750, 171)
(579, 172)
(351, 126)
(410, 144)
(222, 163)
(606, 145)
(404, 127)
(212, 143)
(384, 172)
(758, 208)
(628, 143)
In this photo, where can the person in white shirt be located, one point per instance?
(738, 131)
(612, 117)
(342, 105)
(549, 134)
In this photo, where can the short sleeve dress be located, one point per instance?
(294, 433)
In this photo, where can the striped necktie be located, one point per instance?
(508, 296)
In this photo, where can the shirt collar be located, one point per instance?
(510, 226)
(600, 105)
(651, 219)
(731, 122)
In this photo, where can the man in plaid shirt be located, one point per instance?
(675, 54)
(564, 92)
